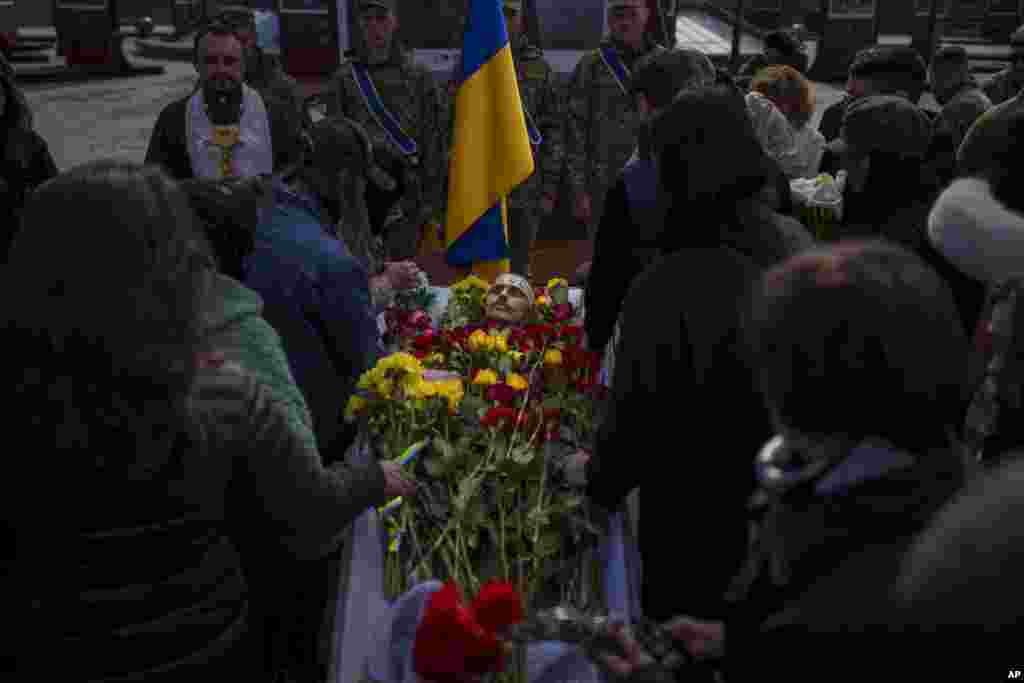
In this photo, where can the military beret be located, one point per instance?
(886, 123)
(894, 60)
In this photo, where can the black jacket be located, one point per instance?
(26, 163)
(684, 399)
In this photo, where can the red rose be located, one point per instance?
(562, 312)
(420, 319)
(424, 341)
(498, 416)
(501, 393)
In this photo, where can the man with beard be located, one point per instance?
(400, 106)
(221, 130)
(602, 118)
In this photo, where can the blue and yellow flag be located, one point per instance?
(491, 152)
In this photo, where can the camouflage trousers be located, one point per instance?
(522, 233)
(401, 236)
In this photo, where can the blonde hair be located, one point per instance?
(789, 90)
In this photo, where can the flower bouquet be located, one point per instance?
(484, 417)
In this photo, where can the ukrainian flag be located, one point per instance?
(491, 152)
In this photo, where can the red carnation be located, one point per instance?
(450, 644)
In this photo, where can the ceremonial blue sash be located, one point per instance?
(384, 118)
(610, 57)
(531, 130)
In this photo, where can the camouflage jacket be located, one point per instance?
(987, 136)
(542, 103)
(1004, 85)
(960, 113)
(602, 122)
(410, 93)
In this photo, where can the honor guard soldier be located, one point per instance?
(544, 122)
(602, 120)
(399, 104)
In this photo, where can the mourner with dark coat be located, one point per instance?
(25, 160)
(150, 462)
(680, 362)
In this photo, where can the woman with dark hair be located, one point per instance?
(679, 357)
(165, 463)
(25, 160)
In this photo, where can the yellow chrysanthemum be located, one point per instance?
(543, 301)
(516, 356)
(486, 377)
(516, 381)
(405, 362)
(471, 282)
(421, 389)
(356, 404)
(479, 341)
(552, 357)
(499, 343)
(435, 359)
(384, 387)
(452, 390)
(557, 282)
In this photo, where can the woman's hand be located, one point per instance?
(703, 640)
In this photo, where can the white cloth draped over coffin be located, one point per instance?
(373, 638)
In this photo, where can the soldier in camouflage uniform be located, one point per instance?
(1008, 83)
(410, 94)
(962, 103)
(602, 120)
(542, 106)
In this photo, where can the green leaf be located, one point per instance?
(523, 455)
(549, 543)
(505, 365)
(435, 467)
(466, 489)
(559, 295)
(447, 452)
(553, 402)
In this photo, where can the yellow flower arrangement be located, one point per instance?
(557, 282)
(486, 377)
(516, 381)
(480, 341)
(356, 405)
(471, 282)
(552, 357)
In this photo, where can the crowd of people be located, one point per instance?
(822, 432)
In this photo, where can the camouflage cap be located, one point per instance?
(383, 4)
(886, 123)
